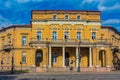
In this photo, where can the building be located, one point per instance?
(60, 40)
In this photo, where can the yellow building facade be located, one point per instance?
(59, 40)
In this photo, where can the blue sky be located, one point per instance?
(19, 11)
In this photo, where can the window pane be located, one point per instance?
(23, 40)
(78, 17)
(54, 57)
(24, 57)
(93, 35)
(54, 35)
(39, 35)
(54, 17)
(66, 35)
(66, 17)
(78, 35)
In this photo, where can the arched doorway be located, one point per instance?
(102, 58)
(39, 57)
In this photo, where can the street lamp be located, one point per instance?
(79, 57)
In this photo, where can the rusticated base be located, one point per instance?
(59, 69)
(74, 69)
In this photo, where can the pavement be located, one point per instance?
(62, 76)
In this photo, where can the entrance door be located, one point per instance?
(39, 57)
(66, 59)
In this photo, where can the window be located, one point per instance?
(54, 57)
(66, 17)
(93, 35)
(54, 17)
(23, 40)
(2, 42)
(9, 40)
(66, 35)
(23, 57)
(78, 17)
(39, 35)
(78, 35)
(8, 58)
(54, 35)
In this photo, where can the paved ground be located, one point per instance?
(62, 76)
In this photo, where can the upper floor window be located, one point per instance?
(78, 17)
(66, 35)
(54, 35)
(54, 17)
(39, 35)
(78, 35)
(66, 17)
(54, 57)
(93, 35)
(9, 40)
(3, 42)
(23, 57)
(23, 40)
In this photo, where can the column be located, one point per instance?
(49, 56)
(90, 57)
(63, 53)
(77, 57)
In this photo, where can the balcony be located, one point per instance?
(7, 47)
(69, 42)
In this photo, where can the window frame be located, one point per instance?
(24, 59)
(94, 36)
(24, 40)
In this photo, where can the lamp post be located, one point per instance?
(79, 57)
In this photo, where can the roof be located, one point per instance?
(112, 28)
(66, 11)
(15, 26)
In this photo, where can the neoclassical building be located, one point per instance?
(60, 40)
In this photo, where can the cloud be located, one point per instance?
(25, 1)
(112, 21)
(114, 7)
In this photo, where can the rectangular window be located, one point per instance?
(23, 40)
(54, 17)
(93, 35)
(8, 58)
(54, 57)
(66, 17)
(23, 57)
(78, 17)
(9, 40)
(2, 42)
(66, 35)
(54, 35)
(39, 35)
(78, 35)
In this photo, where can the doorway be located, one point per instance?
(67, 59)
(39, 57)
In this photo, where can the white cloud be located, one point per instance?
(114, 7)
(90, 1)
(112, 21)
(25, 1)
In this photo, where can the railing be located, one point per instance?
(45, 20)
(69, 41)
(7, 47)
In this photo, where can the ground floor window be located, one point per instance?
(23, 57)
(54, 57)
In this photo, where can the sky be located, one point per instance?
(14, 12)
